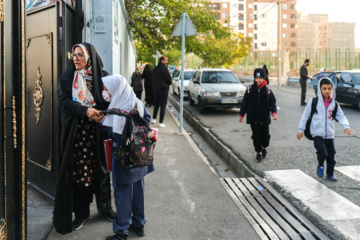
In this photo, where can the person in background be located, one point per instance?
(267, 74)
(322, 70)
(128, 184)
(136, 83)
(161, 81)
(303, 80)
(149, 91)
(83, 168)
(175, 72)
(257, 103)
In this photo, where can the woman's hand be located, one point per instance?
(94, 114)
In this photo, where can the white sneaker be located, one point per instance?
(162, 125)
(153, 121)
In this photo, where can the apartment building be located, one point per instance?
(316, 32)
(258, 19)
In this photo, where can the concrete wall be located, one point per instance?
(107, 29)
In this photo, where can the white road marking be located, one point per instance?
(327, 204)
(350, 171)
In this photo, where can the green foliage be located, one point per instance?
(152, 22)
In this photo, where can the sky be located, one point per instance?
(338, 11)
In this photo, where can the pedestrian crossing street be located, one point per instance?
(337, 211)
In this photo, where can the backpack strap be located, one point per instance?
(248, 88)
(313, 106)
(333, 114)
(268, 89)
(117, 111)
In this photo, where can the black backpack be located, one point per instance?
(313, 111)
(138, 140)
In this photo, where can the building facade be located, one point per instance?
(258, 19)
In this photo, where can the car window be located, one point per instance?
(356, 78)
(345, 77)
(197, 78)
(188, 75)
(219, 77)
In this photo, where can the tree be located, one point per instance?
(152, 22)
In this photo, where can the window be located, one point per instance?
(320, 35)
(255, 36)
(241, 7)
(234, 5)
(284, 35)
(225, 15)
(234, 15)
(263, 44)
(284, 25)
(321, 43)
(250, 25)
(255, 17)
(218, 16)
(255, 7)
(250, 15)
(241, 17)
(293, 44)
(293, 26)
(293, 16)
(255, 26)
(224, 5)
(263, 15)
(225, 25)
(284, 16)
(218, 77)
(216, 6)
(250, 5)
(293, 35)
(285, 44)
(284, 6)
(255, 46)
(292, 7)
(241, 26)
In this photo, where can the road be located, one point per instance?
(286, 152)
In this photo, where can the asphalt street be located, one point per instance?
(286, 152)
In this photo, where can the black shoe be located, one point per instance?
(117, 236)
(138, 231)
(111, 215)
(78, 223)
(263, 153)
(303, 104)
(258, 157)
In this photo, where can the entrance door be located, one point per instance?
(12, 120)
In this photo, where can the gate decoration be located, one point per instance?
(38, 96)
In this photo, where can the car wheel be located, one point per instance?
(191, 101)
(201, 106)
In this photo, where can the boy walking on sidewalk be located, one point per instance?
(258, 101)
(322, 127)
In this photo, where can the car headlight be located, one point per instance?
(211, 94)
(240, 94)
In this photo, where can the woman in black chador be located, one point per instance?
(82, 172)
(149, 91)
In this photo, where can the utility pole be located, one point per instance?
(279, 43)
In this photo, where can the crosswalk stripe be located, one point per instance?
(350, 171)
(339, 212)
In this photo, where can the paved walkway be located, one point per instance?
(184, 198)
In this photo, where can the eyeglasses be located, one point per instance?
(77, 55)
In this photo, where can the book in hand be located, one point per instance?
(108, 143)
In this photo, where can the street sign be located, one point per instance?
(189, 27)
(183, 28)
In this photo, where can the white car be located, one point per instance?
(215, 88)
(177, 82)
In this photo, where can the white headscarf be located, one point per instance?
(123, 97)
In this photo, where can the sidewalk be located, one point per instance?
(184, 198)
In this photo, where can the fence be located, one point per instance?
(331, 59)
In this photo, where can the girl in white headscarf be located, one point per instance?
(128, 184)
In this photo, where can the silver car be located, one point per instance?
(177, 82)
(215, 88)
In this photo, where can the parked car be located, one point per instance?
(347, 86)
(215, 88)
(177, 82)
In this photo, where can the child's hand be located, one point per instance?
(349, 132)
(299, 135)
(275, 116)
(241, 120)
